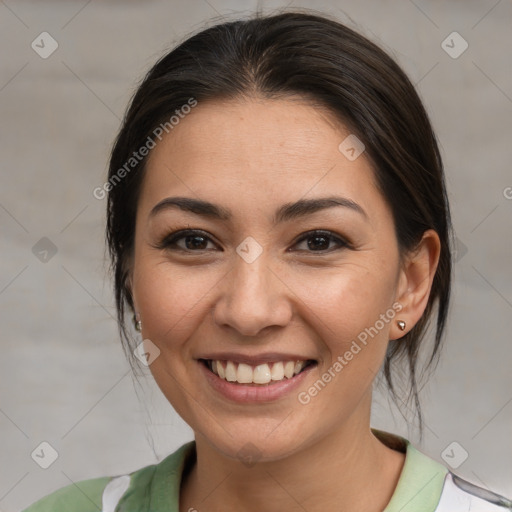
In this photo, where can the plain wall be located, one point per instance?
(64, 377)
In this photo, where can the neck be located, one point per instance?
(335, 473)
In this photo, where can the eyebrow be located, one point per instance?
(286, 212)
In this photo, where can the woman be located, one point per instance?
(279, 228)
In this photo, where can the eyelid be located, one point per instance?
(342, 241)
(173, 237)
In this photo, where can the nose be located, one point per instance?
(252, 298)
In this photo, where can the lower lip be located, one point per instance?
(254, 393)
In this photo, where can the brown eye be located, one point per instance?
(188, 240)
(320, 241)
(195, 242)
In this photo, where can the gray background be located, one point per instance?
(64, 378)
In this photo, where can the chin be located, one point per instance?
(258, 440)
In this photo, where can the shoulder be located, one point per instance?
(458, 495)
(83, 496)
(448, 491)
(132, 489)
(94, 494)
(425, 485)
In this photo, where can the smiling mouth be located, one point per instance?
(262, 374)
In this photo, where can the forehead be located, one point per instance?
(256, 148)
(253, 130)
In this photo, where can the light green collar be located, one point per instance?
(421, 482)
(418, 490)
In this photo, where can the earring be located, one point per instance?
(401, 325)
(137, 323)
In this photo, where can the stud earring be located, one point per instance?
(401, 325)
(137, 323)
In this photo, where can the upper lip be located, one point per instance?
(254, 360)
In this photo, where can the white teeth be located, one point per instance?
(261, 374)
(289, 368)
(244, 374)
(220, 370)
(299, 365)
(230, 371)
(277, 372)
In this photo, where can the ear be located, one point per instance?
(415, 281)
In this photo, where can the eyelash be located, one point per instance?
(170, 241)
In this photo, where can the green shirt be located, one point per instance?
(424, 486)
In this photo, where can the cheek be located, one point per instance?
(345, 303)
(171, 299)
(171, 302)
(351, 312)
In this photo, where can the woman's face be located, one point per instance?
(253, 284)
